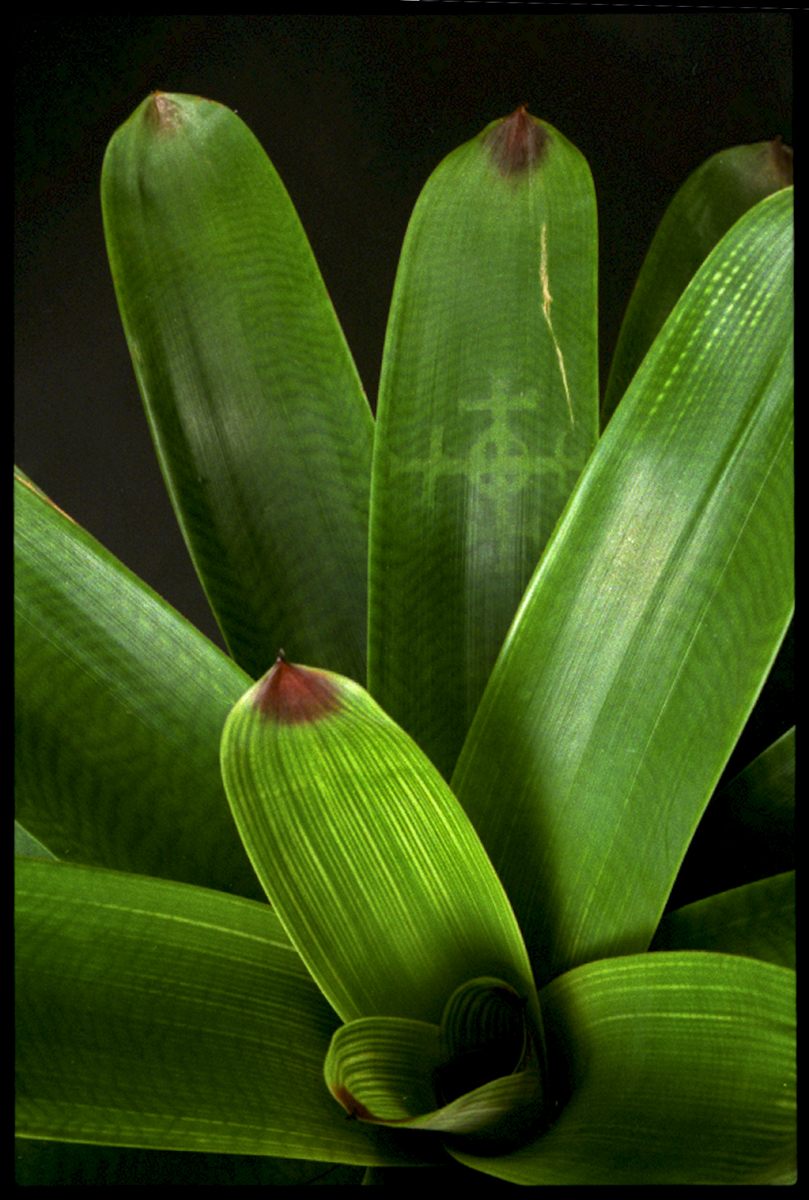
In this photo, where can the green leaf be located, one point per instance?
(651, 622)
(381, 1070)
(159, 1015)
(701, 213)
(366, 855)
(753, 819)
(672, 1069)
(119, 707)
(488, 410)
(258, 416)
(757, 920)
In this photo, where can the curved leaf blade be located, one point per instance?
(154, 1014)
(119, 707)
(488, 410)
(673, 1068)
(651, 622)
(701, 213)
(366, 855)
(261, 426)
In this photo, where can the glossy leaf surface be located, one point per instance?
(119, 707)
(258, 416)
(672, 1068)
(366, 855)
(651, 622)
(488, 410)
(154, 1014)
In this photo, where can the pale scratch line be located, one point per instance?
(546, 310)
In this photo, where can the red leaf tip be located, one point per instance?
(517, 142)
(292, 695)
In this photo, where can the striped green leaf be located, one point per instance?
(652, 620)
(119, 707)
(257, 413)
(488, 410)
(155, 1014)
(381, 1069)
(366, 855)
(671, 1069)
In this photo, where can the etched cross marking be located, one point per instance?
(486, 450)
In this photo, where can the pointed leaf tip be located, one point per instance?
(293, 695)
(164, 112)
(517, 142)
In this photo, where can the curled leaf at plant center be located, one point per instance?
(484, 1036)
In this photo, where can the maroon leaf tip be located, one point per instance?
(517, 143)
(293, 695)
(164, 113)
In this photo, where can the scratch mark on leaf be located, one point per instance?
(546, 312)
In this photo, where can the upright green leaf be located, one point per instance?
(259, 419)
(366, 855)
(488, 409)
(699, 216)
(154, 1014)
(119, 707)
(652, 619)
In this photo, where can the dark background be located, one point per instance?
(355, 112)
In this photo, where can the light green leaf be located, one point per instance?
(488, 410)
(651, 622)
(699, 216)
(366, 855)
(119, 707)
(757, 920)
(672, 1069)
(260, 423)
(154, 1014)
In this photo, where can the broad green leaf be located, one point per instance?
(488, 410)
(119, 707)
(672, 1069)
(757, 920)
(366, 855)
(651, 622)
(262, 429)
(155, 1014)
(699, 216)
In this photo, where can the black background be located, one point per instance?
(355, 112)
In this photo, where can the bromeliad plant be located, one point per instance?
(465, 958)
